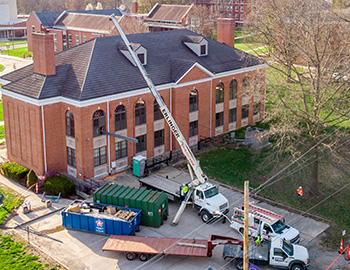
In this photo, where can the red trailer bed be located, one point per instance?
(146, 246)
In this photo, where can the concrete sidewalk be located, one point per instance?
(38, 207)
(12, 63)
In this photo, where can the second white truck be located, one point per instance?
(265, 223)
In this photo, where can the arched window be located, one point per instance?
(220, 93)
(120, 118)
(233, 89)
(99, 122)
(70, 124)
(193, 101)
(157, 113)
(140, 113)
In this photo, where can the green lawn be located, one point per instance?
(2, 132)
(1, 67)
(14, 254)
(15, 42)
(1, 111)
(234, 166)
(18, 52)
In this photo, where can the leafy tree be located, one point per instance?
(99, 6)
(308, 45)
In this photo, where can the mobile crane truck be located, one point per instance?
(203, 195)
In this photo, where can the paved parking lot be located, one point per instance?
(80, 250)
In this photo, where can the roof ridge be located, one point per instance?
(88, 67)
(42, 86)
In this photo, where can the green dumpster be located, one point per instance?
(154, 204)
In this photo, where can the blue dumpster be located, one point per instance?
(102, 223)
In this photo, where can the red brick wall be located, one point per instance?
(226, 31)
(23, 129)
(32, 20)
(43, 54)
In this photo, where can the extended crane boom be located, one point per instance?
(200, 176)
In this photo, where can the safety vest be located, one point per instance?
(258, 239)
(185, 189)
(300, 191)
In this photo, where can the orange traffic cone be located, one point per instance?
(347, 254)
(341, 251)
(36, 188)
(15, 209)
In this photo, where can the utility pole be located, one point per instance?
(246, 226)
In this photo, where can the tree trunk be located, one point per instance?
(314, 188)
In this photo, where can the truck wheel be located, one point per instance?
(143, 257)
(206, 216)
(130, 256)
(297, 267)
(239, 264)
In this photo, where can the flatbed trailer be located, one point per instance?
(257, 254)
(144, 246)
(170, 187)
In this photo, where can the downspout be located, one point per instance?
(44, 140)
(109, 140)
(211, 105)
(171, 111)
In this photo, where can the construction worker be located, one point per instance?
(258, 241)
(300, 191)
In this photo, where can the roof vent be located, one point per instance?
(140, 51)
(197, 44)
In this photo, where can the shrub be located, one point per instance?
(14, 171)
(31, 178)
(59, 184)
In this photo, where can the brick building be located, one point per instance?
(71, 28)
(168, 17)
(235, 9)
(54, 109)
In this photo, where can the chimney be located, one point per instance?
(135, 7)
(226, 31)
(43, 54)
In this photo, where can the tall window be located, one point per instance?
(121, 149)
(245, 111)
(69, 38)
(194, 101)
(157, 113)
(245, 83)
(142, 144)
(233, 89)
(55, 37)
(100, 156)
(203, 49)
(70, 124)
(99, 122)
(71, 157)
(77, 39)
(120, 118)
(33, 28)
(140, 113)
(256, 108)
(219, 119)
(220, 93)
(193, 128)
(158, 138)
(232, 115)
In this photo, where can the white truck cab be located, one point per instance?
(265, 223)
(208, 202)
(284, 254)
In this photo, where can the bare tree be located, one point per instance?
(309, 77)
(203, 20)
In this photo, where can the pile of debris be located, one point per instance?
(100, 210)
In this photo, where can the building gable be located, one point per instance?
(196, 72)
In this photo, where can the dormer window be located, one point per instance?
(197, 44)
(141, 57)
(140, 51)
(203, 49)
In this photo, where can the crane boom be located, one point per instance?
(200, 176)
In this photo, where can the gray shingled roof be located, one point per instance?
(47, 18)
(110, 72)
